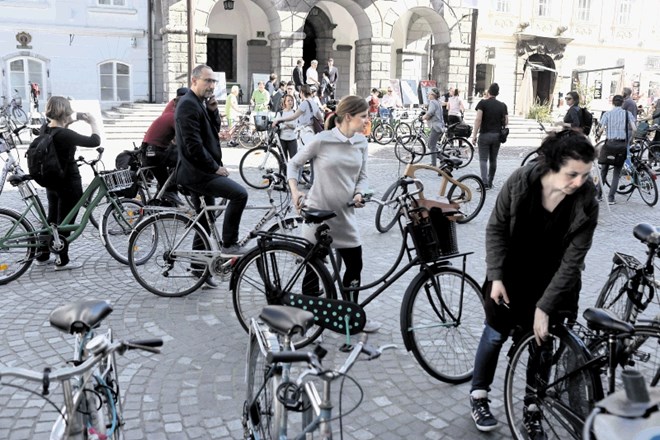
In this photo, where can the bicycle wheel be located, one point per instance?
(566, 402)
(257, 162)
(383, 134)
(626, 180)
(262, 278)
(470, 203)
(16, 254)
(161, 255)
(647, 187)
(105, 410)
(96, 216)
(403, 130)
(613, 296)
(262, 410)
(19, 115)
(530, 157)
(387, 216)
(642, 353)
(441, 322)
(246, 137)
(409, 150)
(653, 155)
(459, 147)
(120, 218)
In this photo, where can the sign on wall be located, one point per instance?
(409, 92)
(425, 87)
(221, 86)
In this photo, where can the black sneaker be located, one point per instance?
(532, 418)
(483, 418)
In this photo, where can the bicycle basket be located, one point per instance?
(462, 130)
(19, 101)
(117, 180)
(261, 122)
(433, 230)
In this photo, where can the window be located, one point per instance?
(543, 8)
(112, 2)
(503, 5)
(115, 80)
(584, 8)
(23, 71)
(623, 17)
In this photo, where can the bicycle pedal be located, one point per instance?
(346, 348)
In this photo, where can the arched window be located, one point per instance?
(115, 80)
(23, 71)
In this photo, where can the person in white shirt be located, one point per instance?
(313, 75)
(455, 108)
(390, 100)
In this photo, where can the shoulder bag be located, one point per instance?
(614, 151)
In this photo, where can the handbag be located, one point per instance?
(317, 126)
(504, 133)
(614, 151)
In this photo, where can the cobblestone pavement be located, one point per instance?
(195, 388)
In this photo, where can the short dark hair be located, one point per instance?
(291, 83)
(617, 100)
(574, 96)
(626, 92)
(282, 83)
(182, 91)
(494, 89)
(561, 146)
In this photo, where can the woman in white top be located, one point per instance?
(455, 108)
(307, 109)
(287, 130)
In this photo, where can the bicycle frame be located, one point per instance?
(447, 178)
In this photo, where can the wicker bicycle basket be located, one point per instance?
(433, 230)
(118, 179)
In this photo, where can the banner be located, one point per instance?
(220, 87)
(425, 87)
(409, 92)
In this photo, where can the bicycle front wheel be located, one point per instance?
(470, 199)
(402, 130)
(387, 216)
(647, 187)
(409, 150)
(460, 148)
(258, 162)
(264, 275)
(383, 134)
(565, 403)
(626, 180)
(17, 245)
(442, 320)
(119, 219)
(19, 116)
(613, 296)
(166, 255)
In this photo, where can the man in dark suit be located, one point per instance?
(332, 74)
(200, 167)
(298, 78)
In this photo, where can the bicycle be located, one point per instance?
(441, 311)
(568, 368)
(467, 192)
(164, 259)
(21, 243)
(412, 148)
(631, 284)
(93, 406)
(637, 174)
(272, 390)
(13, 109)
(239, 133)
(11, 160)
(386, 127)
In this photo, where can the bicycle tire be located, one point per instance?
(613, 295)
(626, 185)
(460, 148)
(109, 410)
(402, 129)
(258, 161)
(263, 412)
(470, 205)
(643, 353)
(404, 150)
(96, 216)
(653, 154)
(647, 187)
(530, 157)
(383, 134)
(246, 137)
(445, 349)
(119, 219)
(151, 259)
(19, 115)
(15, 261)
(566, 404)
(387, 216)
(284, 269)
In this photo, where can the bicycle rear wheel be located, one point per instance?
(119, 219)
(647, 187)
(383, 133)
(16, 254)
(402, 129)
(626, 180)
(613, 296)
(470, 203)
(566, 402)
(19, 115)
(261, 278)
(161, 256)
(409, 150)
(257, 162)
(643, 352)
(441, 322)
(387, 216)
(459, 147)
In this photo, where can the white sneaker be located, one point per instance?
(371, 326)
(71, 265)
(232, 251)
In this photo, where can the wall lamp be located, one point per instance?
(229, 5)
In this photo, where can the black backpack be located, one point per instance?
(587, 120)
(128, 159)
(43, 164)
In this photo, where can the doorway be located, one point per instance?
(543, 80)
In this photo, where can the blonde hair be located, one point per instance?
(234, 89)
(350, 105)
(58, 108)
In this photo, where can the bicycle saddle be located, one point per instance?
(15, 180)
(316, 215)
(454, 162)
(287, 321)
(81, 316)
(606, 320)
(646, 233)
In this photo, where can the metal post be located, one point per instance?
(473, 43)
(191, 38)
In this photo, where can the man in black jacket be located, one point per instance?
(200, 167)
(297, 75)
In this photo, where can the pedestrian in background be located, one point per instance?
(312, 75)
(260, 98)
(232, 110)
(455, 108)
(297, 75)
(628, 103)
(492, 116)
(288, 137)
(573, 116)
(436, 123)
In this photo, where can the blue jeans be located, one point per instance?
(485, 362)
(222, 186)
(489, 148)
(433, 144)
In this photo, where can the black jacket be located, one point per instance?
(298, 76)
(197, 139)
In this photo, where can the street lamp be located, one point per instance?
(229, 5)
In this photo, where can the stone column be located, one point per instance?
(285, 49)
(373, 70)
(440, 68)
(342, 57)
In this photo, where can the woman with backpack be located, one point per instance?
(573, 117)
(65, 194)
